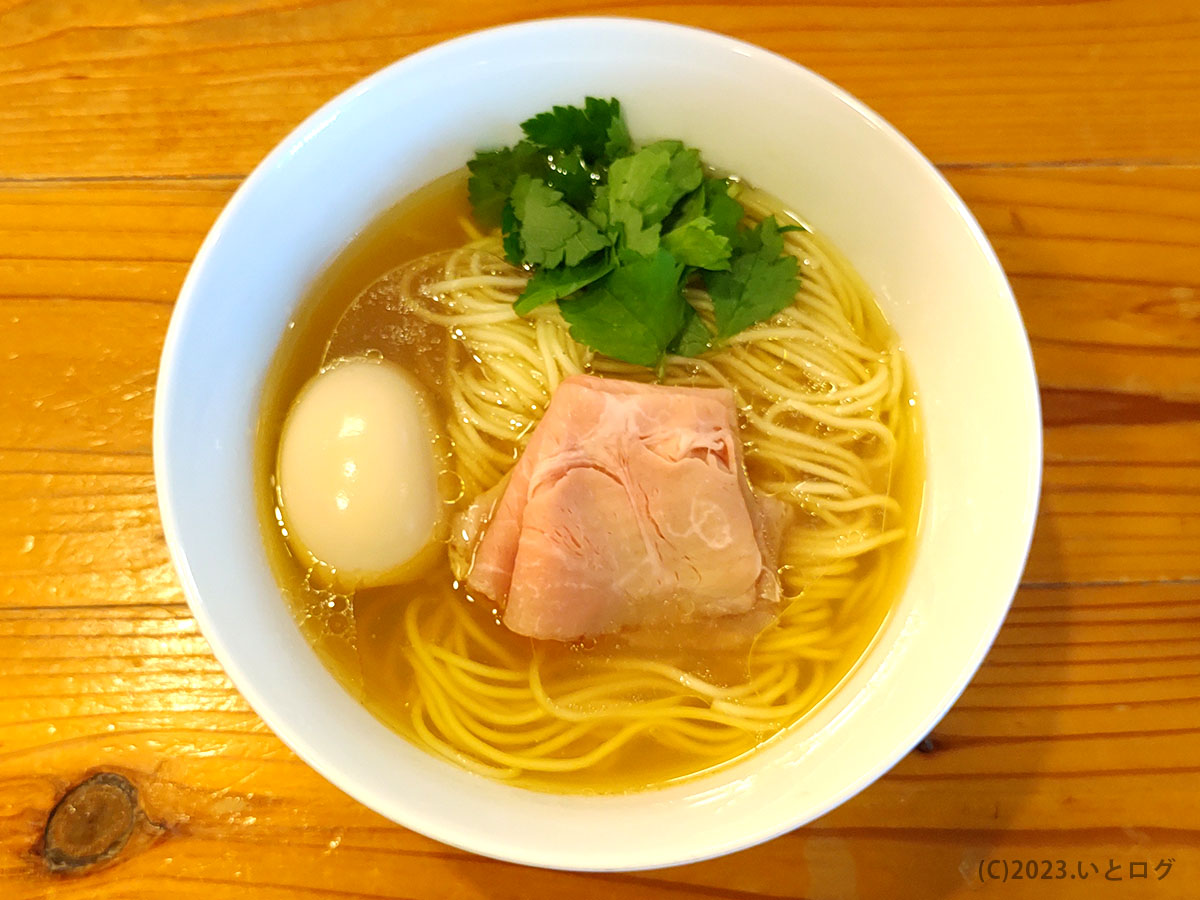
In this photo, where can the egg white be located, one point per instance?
(357, 475)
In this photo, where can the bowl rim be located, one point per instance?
(317, 121)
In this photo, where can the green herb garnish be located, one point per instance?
(760, 282)
(614, 233)
(633, 313)
(549, 231)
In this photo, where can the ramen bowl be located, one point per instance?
(786, 130)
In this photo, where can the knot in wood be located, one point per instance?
(91, 824)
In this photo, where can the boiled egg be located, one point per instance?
(357, 475)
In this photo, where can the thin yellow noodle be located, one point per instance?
(482, 687)
(463, 759)
(488, 422)
(477, 475)
(676, 739)
(459, 660)
(800, 464)
(476, 634)
(469, 227)
(463, 702)
(475, 281)
(504, 421)
(883, 501)
(544, 330)
(469, 439)
(820, 387)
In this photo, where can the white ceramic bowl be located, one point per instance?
(783, 128)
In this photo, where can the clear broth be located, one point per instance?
(358, 637)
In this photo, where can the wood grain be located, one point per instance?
(130, 87)
(1120, 375)
(88, 273)
(1077, 740)
(1070, 128)
(1105, 264)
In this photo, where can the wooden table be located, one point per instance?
(1072, 129)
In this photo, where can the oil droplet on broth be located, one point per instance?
(451, 487)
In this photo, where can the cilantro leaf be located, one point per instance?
(694, 339)
(548, 285)
(640, 240)
(683, 174)
(635, 236)
(726, 212)
(642, 189)
(612, 234)
(690, 207)
(597, 130)
(712, 199)
(634, 313)
(704, 225)
(696, 243)
(493, 174)
(760, 282)
(623, 222)
(654, 179)
(550, 231)
(617, 141)
(567, 173)
(512, 238)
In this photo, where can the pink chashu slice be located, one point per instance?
(628, 508)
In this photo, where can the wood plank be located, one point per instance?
(130, 88)
(88, 271)
(1077, 740)
(88, 274)
(1046, 756)
(1119, 496)
(1105, 264)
